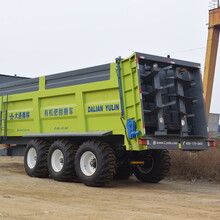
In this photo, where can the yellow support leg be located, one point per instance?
(211, 55)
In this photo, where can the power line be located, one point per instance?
(183, 51)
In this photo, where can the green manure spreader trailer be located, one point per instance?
(104, 122)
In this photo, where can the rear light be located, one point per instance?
(212, 144)
(143, 142)
(170, 62)
(140, 57)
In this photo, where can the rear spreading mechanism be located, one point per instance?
(166, 104)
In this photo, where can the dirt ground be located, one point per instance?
(23, 197)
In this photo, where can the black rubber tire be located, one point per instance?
(156, 166)
(68, 149)
(123, 172)
(106, 163)
(40, 169)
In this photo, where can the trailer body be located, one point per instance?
(141, 103)
(87, 103)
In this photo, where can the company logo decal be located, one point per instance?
(19, 115)
(103, 108)
(58, 112)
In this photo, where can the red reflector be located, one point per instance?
(140, 90)
(212, 143)
(143, 124)
(142, 142)
(170, 62)
(138, 56)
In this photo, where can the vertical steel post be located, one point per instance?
(211, 55)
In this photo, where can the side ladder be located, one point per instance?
(3, 117)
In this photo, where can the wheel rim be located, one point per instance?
(88, 163)
(57, 160)
(31, 158)
(148, 164)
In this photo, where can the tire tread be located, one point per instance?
(162, 160)
(41, 169)
(68, 148)
(107, 159)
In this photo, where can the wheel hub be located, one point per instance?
(88, 163)
(93, 163)
(148, 164)
(31, 158)
(57, 160)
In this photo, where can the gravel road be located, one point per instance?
(23, 197)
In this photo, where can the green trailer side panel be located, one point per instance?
(131, 97)
(79, 108)
(20, 116)
(55, 108)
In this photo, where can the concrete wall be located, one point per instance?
(213, 122)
